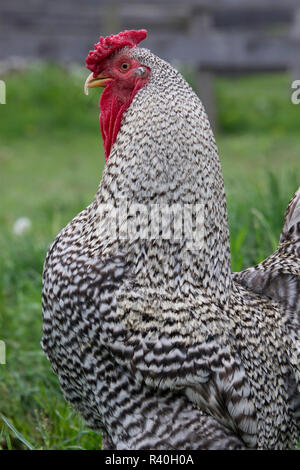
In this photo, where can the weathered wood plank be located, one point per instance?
(219, 4)
(223, 52)
(237, 51)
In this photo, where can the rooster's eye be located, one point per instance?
(125, 66)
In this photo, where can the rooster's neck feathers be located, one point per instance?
(151, 164)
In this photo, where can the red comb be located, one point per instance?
(106, 46)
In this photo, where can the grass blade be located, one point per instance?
(17, 434)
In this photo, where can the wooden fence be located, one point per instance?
(215, 36)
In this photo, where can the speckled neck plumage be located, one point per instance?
(151, 163)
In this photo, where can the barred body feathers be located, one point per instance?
(154, 341)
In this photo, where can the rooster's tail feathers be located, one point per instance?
(291, 226)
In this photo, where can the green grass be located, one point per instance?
(51, 159)
(260, 104)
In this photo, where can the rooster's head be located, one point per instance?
(121, 74)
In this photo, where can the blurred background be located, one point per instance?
(241, 57)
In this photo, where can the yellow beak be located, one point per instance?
(91, 82)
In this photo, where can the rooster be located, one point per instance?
(155, 342)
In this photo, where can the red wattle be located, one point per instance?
(112, 109)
